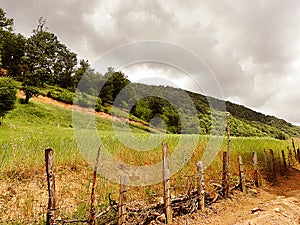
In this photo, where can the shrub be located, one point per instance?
(61, 95)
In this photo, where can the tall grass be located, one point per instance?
(31, 129)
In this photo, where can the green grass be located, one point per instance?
(29, 129)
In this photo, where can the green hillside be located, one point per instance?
(244, 121)
(38, 115)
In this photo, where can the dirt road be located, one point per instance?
(275, 205)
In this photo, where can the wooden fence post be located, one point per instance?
(122, 201)
(228, 149)
(92, 210)
(284, 163)
(201, 193)
(49, 158)
(256, 169)
(242, 176)
(280, 163)
(166, 182)
(225, 182)
(295, 151)
(290, 157)
(273, 167)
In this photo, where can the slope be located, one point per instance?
(245, 121)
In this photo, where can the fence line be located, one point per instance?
(172, 206)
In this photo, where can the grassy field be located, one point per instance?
(29, 129)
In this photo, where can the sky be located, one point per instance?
(252, 48)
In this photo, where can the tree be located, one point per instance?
(90, 81)
(5, 25)
(80, 72)
(115, 82)
(12, 53)
(30, 91)
(8, 97)
(64, 66)
(47, 60)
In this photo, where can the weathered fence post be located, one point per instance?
(166, 182)
(92, 210)
(273, 167)
(226, 162)
(228, 149)
(256, 169)
(290, 157)
(49, 158)
(201, 194)
(279, 163)
(284, 163)
(295, 152)
(122, 201)
(242, 176)
(225, 182)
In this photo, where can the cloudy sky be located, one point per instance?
(252, 47)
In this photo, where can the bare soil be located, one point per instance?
(277, 204)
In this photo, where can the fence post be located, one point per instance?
(225, 182)
(228, 150)
(284, 162)
(201, 194)
(298, 155)
(280, 164)
(290, 157)
(92, 210)
(295, 152)
(122, 201)
(273, 167)
(242, 176)
(166, 182)
(256, 169)
(49, 158)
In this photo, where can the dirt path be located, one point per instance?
(279, 205)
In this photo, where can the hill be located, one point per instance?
(170, 104)
(244, 121)
(48, 114)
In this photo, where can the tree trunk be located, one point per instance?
(27, 97)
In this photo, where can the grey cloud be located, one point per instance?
(143, 19)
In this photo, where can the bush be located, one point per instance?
(281, 136)
(98, 106)
(61, 95)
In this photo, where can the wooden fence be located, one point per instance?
(164, 212)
